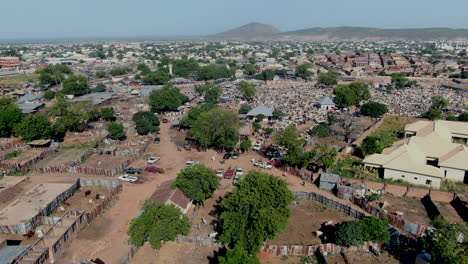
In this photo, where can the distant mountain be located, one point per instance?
(257, 31)
(248, 32)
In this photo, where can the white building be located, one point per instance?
(431, 152)
(326, 103)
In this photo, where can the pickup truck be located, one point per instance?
(153, 160)
(128, 178)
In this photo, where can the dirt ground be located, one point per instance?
(9, 194)
(30, 153)
(61, 158)
(362, 258)
(174, 253)
(412, 208)
(307, 216)
(270, 259)
(104, 161)
(79, 201)
(448, 212)
(79, 140)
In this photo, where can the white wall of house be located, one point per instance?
(454, 174)
(412, 178)
(326, 107)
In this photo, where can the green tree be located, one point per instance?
(329, 78)
(10, 116)
(247, 90)
(447, 243)
(157, 78)
(433, 114)
(49, 95)
(168, 98)
(189, 120)
(250, 69)
(360, 90)
(463, 117)
(211, 92)
(99, 88)
(76, 85)
(344, 96)
(146, 122)
(34, 127)
(374, 229)
(144, 69)
(256, 126)
(256, 210)
(289, 138)
(101, 74)
(371, 145)
(197, 183)
(349, 233)
(400, 81)
(53, 74)
(277, 113)
(244, 109)
(120, 71)
(216, 128)
(439, 102)
(116, 131)
(303, 70)
(238, 255)
(246, 145)
(107, 113)
(157, 223)
(321, 131)
(373, 109)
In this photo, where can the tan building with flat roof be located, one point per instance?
(432, 151)
(9, 62)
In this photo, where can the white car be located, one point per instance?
(236, 179)
(239, 172)
(220, 173)
(153, 160)
(257, 147)
(128, 178)
(263, 165)
(191, 163)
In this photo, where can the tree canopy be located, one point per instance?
(146, 122)
(350, 94)
(256, 210)
(216, 128)
(157, 78)
(321, 131)
(197, 183)
(169, 98)
(53, 74)
(329, 78)
(303, 70)
(211, 92)
(10, 115)
(247, 90)
(400, 81)
(157, 223)
(373, 109)
(371, 145)
(238, 255)
(349, 233)
(76, 85)
(116, 131)
(107, 113)
(34, 127)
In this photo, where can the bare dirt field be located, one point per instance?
(29, 154)
(11, 193)
(79, 140)
(81, 201)
(412, 208)
(307, 216)
(174, 253)
(362, 258)
(61, 158)
(104, 161)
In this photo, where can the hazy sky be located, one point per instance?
(25, 19)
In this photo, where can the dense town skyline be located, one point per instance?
(141, 18)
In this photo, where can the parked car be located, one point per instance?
(276, 163)
(263, 165)
(257, 147)
(220, 173)
(229, 174)
(235, 155)
(128, 178)
(132, 171)
(191, 163)
(153, 160)
(154, 169)
(236, 179)
(227, 155)
(239, 171)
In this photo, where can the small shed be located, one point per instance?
(326, 103)
(329, 181)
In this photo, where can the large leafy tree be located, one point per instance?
(107, 113)
(303, 70)
(344, 96)
(289, 138)
(197, 183)
(256, 210)
(10, 115)
(373, 109)
(158, 223)
(371, 145)
(360, 90)
(34, 127)
(168, 98)
(216, 128)
(349, 233)
(329, 78)
(76, 85)
(374, 229)
(238, 255)
(321, 131)
(146, 122)
(439, 102)
(400, 81)
(53, 74)
(189, 120)
(116, 131)
(447, 243)
(158, 77)
(211, 92)
(247, 90)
